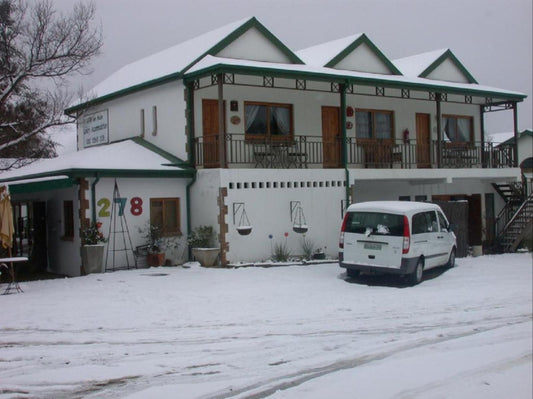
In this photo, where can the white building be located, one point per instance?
(235, 121)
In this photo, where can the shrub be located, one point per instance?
(201, 237)
(281, 252)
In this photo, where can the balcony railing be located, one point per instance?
(313, 151)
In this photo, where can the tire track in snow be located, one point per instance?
(263, 389)
(424, 390)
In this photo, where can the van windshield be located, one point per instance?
(374, 223)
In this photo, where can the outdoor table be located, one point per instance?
(12, 285)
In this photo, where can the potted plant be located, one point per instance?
(200, 241)
(319, 254)
(92, 250)
(155, 255)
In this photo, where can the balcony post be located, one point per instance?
(344, 143)
(439, 130)
(482, 127)
(221, 133)
(344, 153)
(515, 129)
(190, 123)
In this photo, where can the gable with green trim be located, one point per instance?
(253, 45)
(363, 56)
(448, 68)
(253, 41)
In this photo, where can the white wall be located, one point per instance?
(252, 45)
(448, 71)
(363, 59)
(525, 148)
(267, 197)
(144, 189)
(124, 117)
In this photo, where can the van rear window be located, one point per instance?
(375, 223)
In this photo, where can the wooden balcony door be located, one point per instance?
(423, 158)
(210, 133)
(331, 143)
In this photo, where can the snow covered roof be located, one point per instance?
(170, 63)
(164, 63)
(125, 158)
(340, 57)
(505, 138)
(392, 206)
(342, 54)
(322, 54)
(421, 65)
(210, 64)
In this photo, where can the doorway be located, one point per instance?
(210, 133)
(331, 144)
(423, 159)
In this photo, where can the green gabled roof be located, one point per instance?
(176, 61)
(445, 56)
(363, 39)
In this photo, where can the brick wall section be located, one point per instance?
(223, 226)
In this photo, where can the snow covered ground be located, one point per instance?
(281, 332)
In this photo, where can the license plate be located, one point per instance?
(372, 245)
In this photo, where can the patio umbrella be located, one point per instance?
(6, 219)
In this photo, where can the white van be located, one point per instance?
(398, 237)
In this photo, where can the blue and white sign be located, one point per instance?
(95, 129)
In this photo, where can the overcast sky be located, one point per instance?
(492, 38)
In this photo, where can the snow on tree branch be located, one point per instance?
(39, 48)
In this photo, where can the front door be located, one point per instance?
(210, 133)
(423, 159)
(331, 143)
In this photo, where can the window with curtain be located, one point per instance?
(165, 213)
(458, 129)
(267, 120)
(372, 124)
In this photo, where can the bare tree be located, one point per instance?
(39, 49)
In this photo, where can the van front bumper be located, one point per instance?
(407, 267)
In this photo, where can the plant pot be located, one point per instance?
(300, 228)
(244, 230)
(319, 255)
(206, 256)
(92, 258)
(156, 259)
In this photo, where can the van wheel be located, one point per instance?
(451, 261)
(416, 276)
(352, 273)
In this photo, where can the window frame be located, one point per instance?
(456, 118)
(267, 134)
(165, 232)
(373, 113)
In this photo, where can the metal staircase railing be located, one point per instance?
(516, 226)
